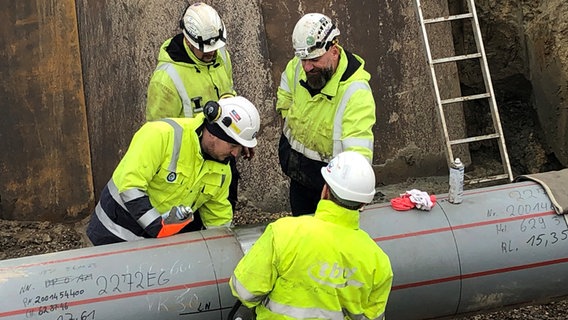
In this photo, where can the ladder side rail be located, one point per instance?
(489, 87)
(439, 105)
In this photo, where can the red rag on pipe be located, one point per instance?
(402, 203)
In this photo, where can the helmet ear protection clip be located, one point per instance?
(212, 111)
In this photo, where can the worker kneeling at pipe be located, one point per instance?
(322, 266)
(172, 169)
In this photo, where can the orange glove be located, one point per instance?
(178, 218)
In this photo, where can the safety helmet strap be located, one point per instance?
(199, 39)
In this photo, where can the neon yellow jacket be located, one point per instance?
(165, 167)
(182, 84)
(338, 118)
(310, 267)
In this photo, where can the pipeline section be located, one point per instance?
(502, 246)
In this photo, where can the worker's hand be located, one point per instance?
(175, 220)
(247, 153)
(178, 214)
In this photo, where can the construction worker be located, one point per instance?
(322, 266)
(175, 175)
(193, 67)
(327, 106)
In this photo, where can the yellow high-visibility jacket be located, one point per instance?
(338, 118)
(315, 267)
(182, 84)
(164, 167)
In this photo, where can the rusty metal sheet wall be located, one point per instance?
(116, 54)
(45, 171)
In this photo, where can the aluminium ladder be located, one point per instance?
(489, 94)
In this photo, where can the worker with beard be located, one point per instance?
(194, 67)
(327, 106)
(175, 175)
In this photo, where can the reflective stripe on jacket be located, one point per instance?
(338, 118)
(316, 267)
(157, 173)
(182, 84)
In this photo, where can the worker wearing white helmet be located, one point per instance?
(194, 67)
(327, 105)
(175, 175)
(321, 266)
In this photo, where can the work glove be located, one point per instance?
(175, 220)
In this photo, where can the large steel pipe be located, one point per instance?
(502, 246)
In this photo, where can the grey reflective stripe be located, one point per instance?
(132, 194)
(297, 74)
(178, 134)
(224, 225)
(126, 196)
(358, 142)
(223, 54)
(178, 83)
(338, 144)
(295, 144)
(243, 293)
(113, 190)
(114, 228)
(301, 313)
(149, 217)
(284, 82)
(300, 147)
(284, 78)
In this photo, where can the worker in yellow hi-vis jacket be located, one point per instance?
(327, 106)
(194, 67)
(175, 175)
(321, 266)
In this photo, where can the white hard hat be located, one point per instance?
(312, 36)
(240, 120)
(350, 177)
(203, 27)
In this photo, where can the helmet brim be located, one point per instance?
(207, 48)
(312, 55)
(243, 142)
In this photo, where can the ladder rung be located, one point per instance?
(473, 139)
(486, 179)
(449, 18)
(457, 58)
(466, 98)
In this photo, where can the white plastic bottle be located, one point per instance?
(455, 195)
